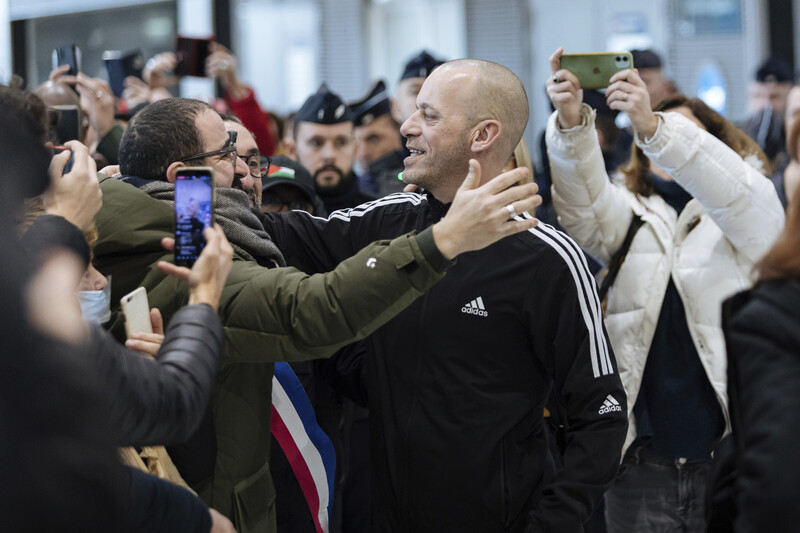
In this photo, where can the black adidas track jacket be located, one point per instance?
(458, 381)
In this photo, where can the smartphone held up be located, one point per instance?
(194, 212)
(136, 310)
(191, 54)
(594, 70)
(68, 54)
(121, 66)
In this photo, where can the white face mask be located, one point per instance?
(96, 305)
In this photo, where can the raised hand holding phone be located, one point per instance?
(565, 92)
(628, 93)
(144, 327)
(74, 195)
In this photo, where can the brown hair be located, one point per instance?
(637, 171)
(783, 259)
(27, 107)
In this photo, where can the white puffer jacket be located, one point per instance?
(709, 250)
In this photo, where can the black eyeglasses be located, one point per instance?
(229, 149)
(257, 169)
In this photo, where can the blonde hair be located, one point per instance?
(522, 158)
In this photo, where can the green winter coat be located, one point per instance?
(276, 314)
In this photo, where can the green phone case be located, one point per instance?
(595, 69)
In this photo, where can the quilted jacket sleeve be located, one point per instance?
(595, 212)
(161, 401)
(740, 200)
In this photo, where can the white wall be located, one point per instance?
(5, 41)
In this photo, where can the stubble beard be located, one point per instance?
(449, 167)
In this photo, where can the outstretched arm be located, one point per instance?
(478, 216)
(312, 316)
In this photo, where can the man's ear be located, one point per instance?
(172, 169)
(291, 149)
(485, 134)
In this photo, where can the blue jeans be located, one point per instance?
(655, 494)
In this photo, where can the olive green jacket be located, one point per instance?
(275, 314)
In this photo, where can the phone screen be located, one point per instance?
(194, 212)
(67, 123)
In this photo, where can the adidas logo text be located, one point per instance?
(475, 307)
(609, 405)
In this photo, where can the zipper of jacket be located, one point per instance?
(699, 345)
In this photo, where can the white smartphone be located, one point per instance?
(137, 312)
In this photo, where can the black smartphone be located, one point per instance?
(68, 54)
(66, 123)
(191, 54)
(121, 66)
(194, 212)
(68, 167)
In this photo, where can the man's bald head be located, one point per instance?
(466, 109)
(57, 93)
(492, 92)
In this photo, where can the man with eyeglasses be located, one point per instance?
(248, 153)
(269, 314)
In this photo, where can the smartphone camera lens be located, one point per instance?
(619, 58)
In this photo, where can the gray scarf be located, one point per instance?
(232, 213)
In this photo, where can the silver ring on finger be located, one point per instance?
(511, 211)
(625, 97)
(99, 94)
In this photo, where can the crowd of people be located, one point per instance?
(396, 322)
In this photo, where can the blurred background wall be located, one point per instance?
(286, 48)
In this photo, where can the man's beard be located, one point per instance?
(255, 201)
(331, 190)
(449, 166)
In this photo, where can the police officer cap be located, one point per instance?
(420, 66)
(323, 107)
(776, 70)
(372, 106)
